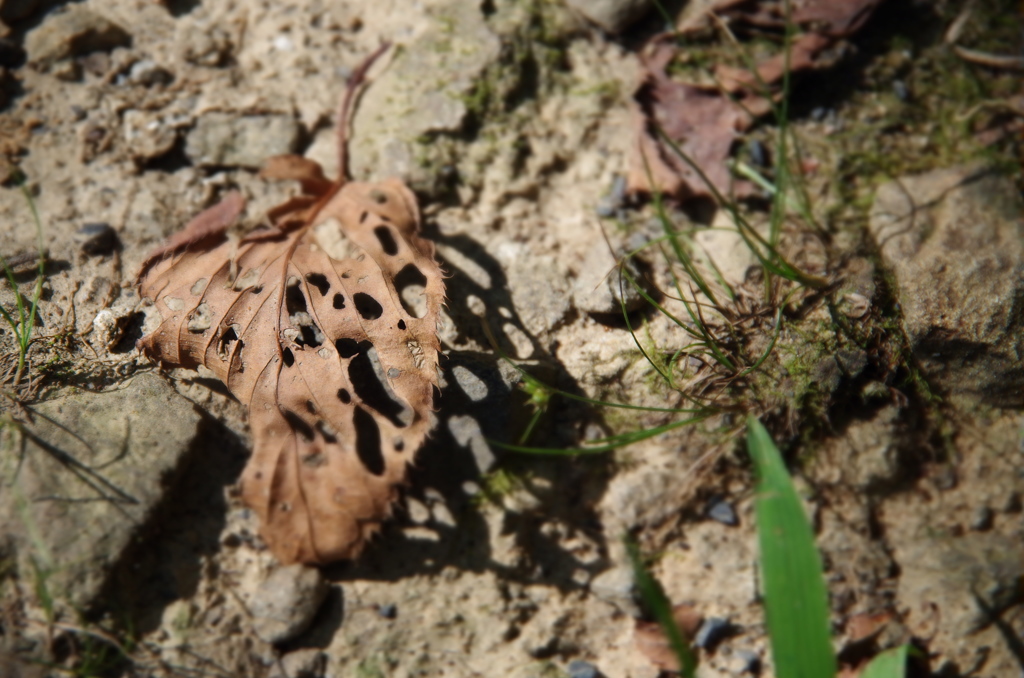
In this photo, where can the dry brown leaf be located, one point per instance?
(651, 641)
(703, 124)
(335, 356)
(864, 625)
(835, 18)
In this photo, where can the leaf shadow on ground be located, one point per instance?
(479, 403)
(164, 563)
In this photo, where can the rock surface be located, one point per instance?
(954, 239)
(613, 16)
(230, 140)
(425, 93)
(94, 467)
(597, 287)
(74, 32)
(286, 602)
(513, 124)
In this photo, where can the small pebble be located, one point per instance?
(751, 661)
(580, 669)
(819, 113)
(982, 519)
(612, 202)
(96, 239)
(899, 88)
(758, 153)
(711, 632)
(286, 602)
(149, 73)
(389, 611)
(722, 511)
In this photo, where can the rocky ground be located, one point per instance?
(895, 389)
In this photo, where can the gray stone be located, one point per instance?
(613, 16)
(148, 73)
(286, 602)
(617, 586)
(723, 512)
(306, 663)
(580, 669)
(954, 240)
(597, 288)
(711, 631)
(231, 140)
(96, 239)
(72, 33)
(93, 467)
(148, 134)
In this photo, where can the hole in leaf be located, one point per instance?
(310, 407)
(368, 442)
(257, 289)
(387, 241)
(339, 300)
(378, 197)
(401, 324)
(367, 306)
(411, 285)
(228, 337)
(298, 425)
(398, 444)
(311, 334)
(319, 281)
(344, 396)
(294, 299)
(289, 359)
(350, 347)
(362, 217)
(367, 376)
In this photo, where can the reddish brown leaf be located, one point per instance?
(651, 641)
(703, 124)
(210, 223)
(335, 356)
(835, 18)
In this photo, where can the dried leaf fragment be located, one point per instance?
(651, 641)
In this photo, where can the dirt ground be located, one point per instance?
(126, 548)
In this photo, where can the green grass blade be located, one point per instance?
(657, 602)
(890, 664)
(796, 603)
(604, 444)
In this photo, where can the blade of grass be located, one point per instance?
(22, 328)
(656, 600)
(796, 602)
(890, 664)
(605, 444)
